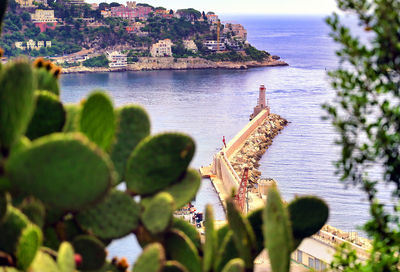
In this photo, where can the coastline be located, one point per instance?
(170, 63)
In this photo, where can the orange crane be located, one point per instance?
(218, 34)
(240, 197)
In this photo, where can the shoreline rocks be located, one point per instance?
(255, 146)
(170, 63)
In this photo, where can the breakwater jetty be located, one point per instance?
(244, 152)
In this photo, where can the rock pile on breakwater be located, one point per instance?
(255, 146)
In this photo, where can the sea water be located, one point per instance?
(210, 104)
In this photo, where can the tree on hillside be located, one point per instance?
(114, 4)
(366, 113)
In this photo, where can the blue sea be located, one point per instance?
(210, 104)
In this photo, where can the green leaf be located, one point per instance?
(174, 266)
(64, 171)
(133, 125)
(157, 215)
(235, 265)
(49, 115)
(44, 263)
(116, 216)
(66, 258)
(256, 222)
(16, 101)
(187, 228)
(226, 252)
(28, 245)
(158, 162)
(11, 229)
(314, 209)
(180, 248)
(92, 251)
(210, 246)
(46, 81)
(277, 232)
(152, 259)
(73, 113)
(98, 120)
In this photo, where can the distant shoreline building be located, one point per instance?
(117, 59)
(44, 19)
(162, 48)
(32, 45)
(213, 45)
(190, 45)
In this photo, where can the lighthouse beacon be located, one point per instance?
(261, 104)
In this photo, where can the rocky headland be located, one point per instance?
(170, 63)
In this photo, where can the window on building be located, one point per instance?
(323, 266)
(299, 256)
(311, 262)
(317, 265)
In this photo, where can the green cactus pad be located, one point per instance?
(221, 233)
(65, 171)
(188, 229)
(69, 229)
(277, 232)
(65, 258)
(116, 216)
(43, 262)
(49, 115)
(11, 229)
(151, 260)
(174, 266)
(226, 252)
(16, 101)
(50, 238)
(4, 202)
(235, 265)
(314, 209)
(157, 215)
(5, 184)
(92, 251)
(133, 125)
(28, 245)
(46, 81)
(255, 220)
(180, 248)
(243, 234)
(34, 210)
(158, 161)
(72, 117)
(97, 119)
(210, 246)
(19, 145)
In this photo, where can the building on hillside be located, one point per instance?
(123, 12)
(212, 18)
(76, 2)
(131, 4)
(213, 45)
(141, 11)
(190, 45)
(42, 2)
(162, 48)
(44, 19)
(32, 45)
(105, 13)
(117, 59)
(238, 31)
(94, 6)
(161, 12)
(25, 3)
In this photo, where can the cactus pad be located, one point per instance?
(46, 81)
(116, 216)
(34, 210)
(243, 234)
(50, 238)
(188, 229)
(158, 161)
(28, 245)
(255, 220)
(235, 265)
(97, 120)
(65, 171)
(16, 101)
(133, 125)
(210, 246)
(4, 200)
(43, 262)
(180, 248)
(157, 215)
(92, 251)
(277, 232)
(151, 260)
(174, 266)
(11, 229)
(65, 258)
(314, 209)
(72, 118)
(226, 252)
(49, 115)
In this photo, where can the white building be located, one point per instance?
(43, 16)
(162, 48)
(117, 59)
(213, 45)
(190, 45)
(32, 45)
